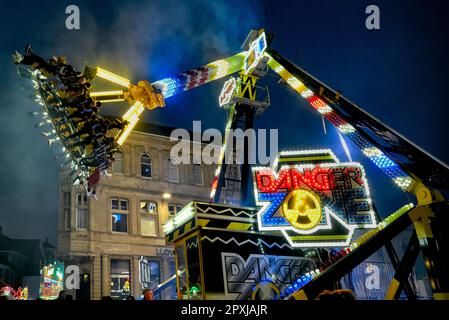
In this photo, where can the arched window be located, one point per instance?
(145, 165)
(117, 165)
(172, 171)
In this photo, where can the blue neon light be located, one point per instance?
(267, 217)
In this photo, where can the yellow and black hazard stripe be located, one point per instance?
(225, 224)
(180, 231)
(248, 86)
(315, 158)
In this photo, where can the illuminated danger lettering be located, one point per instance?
(317, 178)
(313, 204)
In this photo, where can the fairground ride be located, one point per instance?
(410, 168)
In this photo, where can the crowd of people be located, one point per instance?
(74, 114)
(147, 295)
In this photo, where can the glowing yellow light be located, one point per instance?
(221, 68)
(296, 84)
(403, 182)
(115, 96)
(287, 76)
(111, 100)
(279, 69)
(106, 93)
(302, 209)
(132, 116)
(226, 66)
(107, 75)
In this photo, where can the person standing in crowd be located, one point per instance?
(147, 294)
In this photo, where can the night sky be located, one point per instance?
(399, 73)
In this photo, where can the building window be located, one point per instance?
(148, 207)
(148, 218)
(67, 199)
(67, 218)
(117, 164)
(119, 204)
(81, 218)
(120, 210)
(81, 211)
(67, 210)
(120, 278)
(172, 171)
(150, 274)
(145, 165)
(81, 199)
(174, 208)
(197, 174)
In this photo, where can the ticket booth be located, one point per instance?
(221, 255)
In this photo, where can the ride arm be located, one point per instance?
(396, 156)
(196, 77)
(145, 95)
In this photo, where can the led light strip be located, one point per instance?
(201, 75)
(168, 86)
(303, 280)
(132, 116)
(106, 93)
(187, 213)
(387, 221)
(112, 77)
(110, 100)
(222, 154)
(108, 96)
(271, 200)
(387, 165)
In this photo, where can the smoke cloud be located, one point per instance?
(137, 39)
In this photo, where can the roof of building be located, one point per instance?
(47, 245)
(153, 128)
(26, 247)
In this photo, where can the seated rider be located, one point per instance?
(35, 61)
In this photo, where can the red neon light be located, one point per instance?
(335, 119)
(316, 102)
(318, 178)
(267, 183)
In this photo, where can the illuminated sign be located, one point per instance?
(228, 92)
(52, 277)
(255, 53)
(261, 274)
(313, 199)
